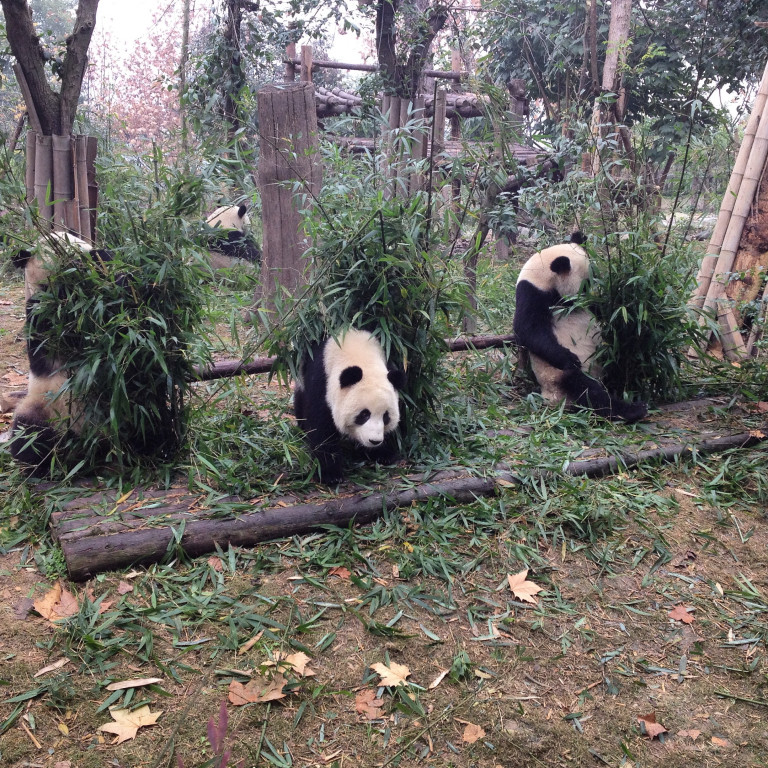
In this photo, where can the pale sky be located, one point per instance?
(128, 21)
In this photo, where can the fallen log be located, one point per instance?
(228, 368)
(139, 532)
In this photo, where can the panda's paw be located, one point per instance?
(632, 412)
(330, 474)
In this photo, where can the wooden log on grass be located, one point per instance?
(131, 532)
(226, 369)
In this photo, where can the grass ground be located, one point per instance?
(654, 601)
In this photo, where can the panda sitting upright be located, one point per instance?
(47, 412)
(231, 241)
(562, 345)
(346, 390)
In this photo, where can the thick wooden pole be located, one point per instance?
(288, 132)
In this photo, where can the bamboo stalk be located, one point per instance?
(62, 178)
(29, 175)
(716, 295)
(43, 174)
(709, 262)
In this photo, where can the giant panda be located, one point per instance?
(562, 345)
(47, 413)
(346, 390)
(231, 241)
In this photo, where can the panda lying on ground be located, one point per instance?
(346, 390)
(43, 417)
(562, 346)
(231, 242)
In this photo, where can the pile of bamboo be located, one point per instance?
(60, 174)
(717, 267)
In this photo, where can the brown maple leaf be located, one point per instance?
(340, 571)
(693, 734)
(57, 603)
(127, 722)
(652, 728)
(681, 613)
(522, 589)
(393, 675)
(257, 690)
(368, 705)
(472, 733)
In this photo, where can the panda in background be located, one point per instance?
(346, 390)
(230, 240)
(43, 417)
(562, 345)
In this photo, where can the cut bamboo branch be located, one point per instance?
(43, 175)
(709, 262)
(142, 532)
(62, 179)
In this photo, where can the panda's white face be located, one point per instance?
(364, 403)
(230, 217)
(562, 267)
(368, 413)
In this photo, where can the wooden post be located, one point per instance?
(290, 67)
(306, 63)
(288, 132)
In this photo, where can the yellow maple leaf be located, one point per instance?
(522, 589)
(393, 675)
(57, 603)
(472, 733)
(127, 722)
(258, 690)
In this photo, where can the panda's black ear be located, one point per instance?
(242, 210)
(20, 258)
(561, 265)
(579, 238)
(350, 376)
(396, 378)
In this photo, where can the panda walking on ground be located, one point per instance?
(562, 346)
(346, 390)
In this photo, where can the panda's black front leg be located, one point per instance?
(387, 453)
(586, 392)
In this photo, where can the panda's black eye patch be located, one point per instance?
(362, 417)
(386, 418)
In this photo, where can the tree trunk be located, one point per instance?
(55, 111)
(615, 57)
(183, 58)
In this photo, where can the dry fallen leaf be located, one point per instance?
(121, 686)
(720, 742)
(248, 644)
(438, 679)
(472, 733)
(123, 588)
(680, 613)
(57, 603)
(393, 675)
(652, 728)
(693, 734)
(340, 571)
(368, 705)
(257, 691)
(51, 667)
(127, 723)
(296, 661)
(522, 589)
(216, 563)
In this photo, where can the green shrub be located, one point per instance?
(639, 292)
